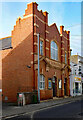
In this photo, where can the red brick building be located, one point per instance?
(0, 75)
(20, 68)
(0, 90)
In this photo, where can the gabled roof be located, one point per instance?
(54, 25)
(5, 43)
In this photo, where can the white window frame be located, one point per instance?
(42, 82)
(54, 51)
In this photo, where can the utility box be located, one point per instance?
(21, 99)
(25, 98)
(34, 98)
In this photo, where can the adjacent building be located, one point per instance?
(20, 60)
(5, 44)
(76, 77)
(0, 90)
(0, 74)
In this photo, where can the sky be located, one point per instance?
(61, 13)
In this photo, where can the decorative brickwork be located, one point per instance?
(24, 53)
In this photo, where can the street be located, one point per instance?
(73, 111)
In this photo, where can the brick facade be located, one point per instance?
(16, 74)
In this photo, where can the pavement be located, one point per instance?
(12, 111)
(0, 109)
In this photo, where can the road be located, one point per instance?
(68, 111)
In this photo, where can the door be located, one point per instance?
(65, 80)
(64, 88)
(53, 84)
(76, 87)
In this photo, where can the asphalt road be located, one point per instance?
(68, 111)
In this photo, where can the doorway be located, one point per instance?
(54, 86)
(82, 88)
(65, 84)
(76, 87)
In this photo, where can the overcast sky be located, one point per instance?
(61, 13)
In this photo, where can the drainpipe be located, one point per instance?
(38, 72)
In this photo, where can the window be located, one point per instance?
(75, 72)
(65, 57)
(42, 82)
(54, 51)
(60, 84)
(79, 68)
(41, 47)
(79, 73)
(75, 65)
(82, 75)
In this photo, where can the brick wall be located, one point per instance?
(47, 34)
(16, 74)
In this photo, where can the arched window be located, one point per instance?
(54, 51)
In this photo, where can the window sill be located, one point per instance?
(42, 88)
(55, 60)
(49, 88)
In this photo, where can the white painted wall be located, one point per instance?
(75, 73)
